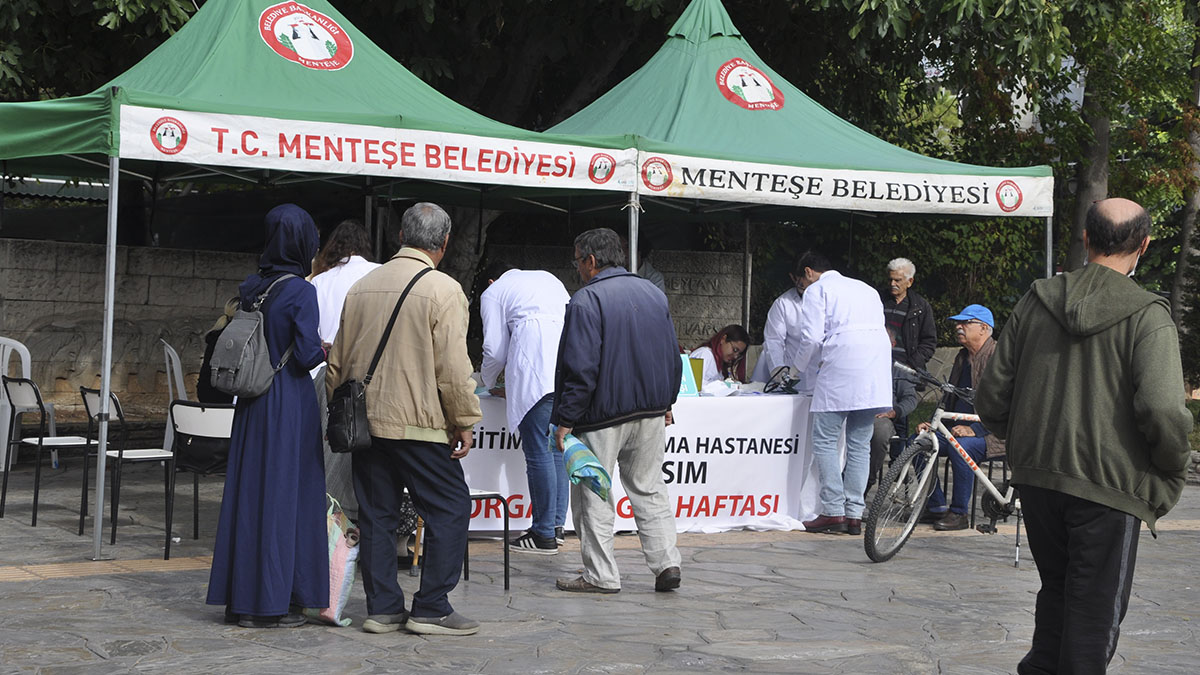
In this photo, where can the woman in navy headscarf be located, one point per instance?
(271, 555)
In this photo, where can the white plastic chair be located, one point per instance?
(175, 388)
(196, 425)
(118, 457)
(8, 347)
(23, 395)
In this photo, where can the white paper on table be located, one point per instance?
(719, 388)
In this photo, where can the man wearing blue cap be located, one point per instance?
(973, 328)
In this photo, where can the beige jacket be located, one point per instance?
(422, 388)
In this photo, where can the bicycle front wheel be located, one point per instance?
(898, 503)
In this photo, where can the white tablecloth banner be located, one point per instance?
(731, 463)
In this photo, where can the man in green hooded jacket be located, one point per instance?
(1087, 387)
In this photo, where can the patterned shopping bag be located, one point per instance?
(343, 557)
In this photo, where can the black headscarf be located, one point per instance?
(292, 241)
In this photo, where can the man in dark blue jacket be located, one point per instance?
(617, 377)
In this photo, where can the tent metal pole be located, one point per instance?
(479, 225)
(369, 207)
(633, 207)
(1049, 246)
(110, 273)
(746, 268)
(381, 231)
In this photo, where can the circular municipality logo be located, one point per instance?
(1008, 196)
(747, 86)
(305, 36)
(168, 135)
(602, 168)
(656, 174)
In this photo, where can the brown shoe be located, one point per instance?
(952, 521)
(667, 580)
(854, 526)
(581, 585)
(930, 517)
(830, 524)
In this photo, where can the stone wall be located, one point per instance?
(704, 289)
(52, 300)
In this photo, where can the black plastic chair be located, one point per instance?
(24, 396)
(201, 447)
(991, 462)
(117, 458)
(476, 495)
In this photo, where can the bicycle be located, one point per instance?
(901, 496)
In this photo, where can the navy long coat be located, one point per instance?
(271, 548)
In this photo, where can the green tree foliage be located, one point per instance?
(946, 78)
(53, 48)
(530, 62)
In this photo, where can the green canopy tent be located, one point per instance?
(277, 93)
(712, 121)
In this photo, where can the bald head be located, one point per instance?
(1116, 227)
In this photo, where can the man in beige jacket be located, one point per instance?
(421, 407)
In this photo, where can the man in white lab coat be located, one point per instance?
(780, 335)
(845, 356)
(522, 321)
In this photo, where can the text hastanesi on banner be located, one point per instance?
(325, 147)
(734, 462)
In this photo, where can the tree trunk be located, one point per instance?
(1092, 175)
(1188, 227)
(591, 84)
(462, 256)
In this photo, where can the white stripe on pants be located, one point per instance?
(638, 448)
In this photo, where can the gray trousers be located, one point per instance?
(881, 439)
(638, 448)
(339, 482)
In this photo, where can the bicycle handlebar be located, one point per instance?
(945, 387)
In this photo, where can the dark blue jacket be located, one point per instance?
(618, 359)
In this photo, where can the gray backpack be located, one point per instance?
(241, 364)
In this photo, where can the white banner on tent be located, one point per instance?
(875, 191)
(325, 147)
(731, 463)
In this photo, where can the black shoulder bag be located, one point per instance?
(347, 430)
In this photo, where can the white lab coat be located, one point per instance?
(711, 371)
(844, 351)
(781, 336)
(332, 286)
(522, 323)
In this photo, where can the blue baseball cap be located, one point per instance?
(978, 312)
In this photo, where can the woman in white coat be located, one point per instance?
(341, 262)
(724, 355)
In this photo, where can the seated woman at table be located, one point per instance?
(724, 355)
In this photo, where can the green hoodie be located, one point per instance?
(1087, 387)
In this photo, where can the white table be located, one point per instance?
(731, 463)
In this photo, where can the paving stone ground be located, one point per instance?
(767, 602)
